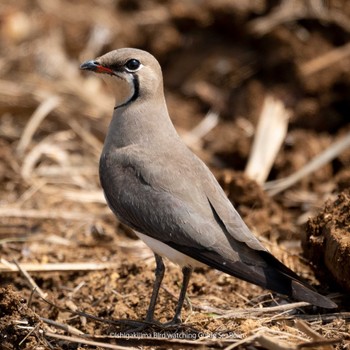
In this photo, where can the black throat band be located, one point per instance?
(136, 83)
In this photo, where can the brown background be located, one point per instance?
(224, 56)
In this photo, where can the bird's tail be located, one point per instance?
(304, 293)
(265, 271)
(283, 280)
(272, 274)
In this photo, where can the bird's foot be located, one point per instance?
(174, 323)
(137, 326)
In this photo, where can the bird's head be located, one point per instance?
(133, 74)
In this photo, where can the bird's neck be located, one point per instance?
(140, 123)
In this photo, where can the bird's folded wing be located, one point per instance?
(170, 204)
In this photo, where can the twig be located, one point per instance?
(49, 214)
(208, 123)
(325, 344)
(303, 327)
(65, 170)
(85, 341)
(30, 280)
(77, 288)
(326, 318)
(30, 192)
(37, 117)
(290, 11)
(321, 62)
(29, 303)
(243, 341)
(317, 339)
(86, 136)
(43, 148)
(266, 330)
(199, 131)
(8, 267)
(287, 11)
(239, 313)
(100, 36)
(277, 186)
(273, 344)
(65, 327)
(85, 196)
(29, 333)
(270, 133)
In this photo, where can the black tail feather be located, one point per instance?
(304, 293)
(271, 275)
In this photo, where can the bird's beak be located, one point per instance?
(94, 66)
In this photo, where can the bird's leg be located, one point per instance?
(159, 274)
(139, 326)
(186, 271)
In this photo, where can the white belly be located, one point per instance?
(164, 250)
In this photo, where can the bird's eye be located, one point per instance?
(132, 65)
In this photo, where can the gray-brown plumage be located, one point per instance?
(157, 186)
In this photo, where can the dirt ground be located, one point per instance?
(224, 57)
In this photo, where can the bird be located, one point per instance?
(158, 187)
